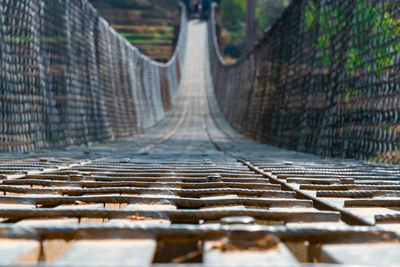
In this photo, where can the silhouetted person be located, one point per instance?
(197, 6)
(205, 8)
(188, 6)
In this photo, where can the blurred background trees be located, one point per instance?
(233, 23)
(150, 25)
(268, 12)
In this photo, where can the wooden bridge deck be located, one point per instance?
(192, 190)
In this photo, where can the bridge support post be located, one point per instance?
(251, 24)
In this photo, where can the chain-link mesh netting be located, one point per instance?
(66, 77)
(324, 79)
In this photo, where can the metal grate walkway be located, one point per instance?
(192, 190)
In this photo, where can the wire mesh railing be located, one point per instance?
(324, 79)
(66, 77)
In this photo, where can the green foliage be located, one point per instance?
(372, 37)
(385, 127)
(375, 20)
(331, 22)
(233, 15)
(241, 4)
(154, 35)
(310, 17)
(150, 41)
(350, 94)
(45, 39)
(268, 12)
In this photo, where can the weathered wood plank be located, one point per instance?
(19, 251)
(103, 252)
(276, 256)
(378, 254)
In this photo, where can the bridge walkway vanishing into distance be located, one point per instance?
(193, 190)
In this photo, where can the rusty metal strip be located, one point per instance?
(87, 184)
(337, 234)
(139, 190)
(175, 215)
(180, 202)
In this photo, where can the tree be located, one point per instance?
(268, 12)
(233, 14)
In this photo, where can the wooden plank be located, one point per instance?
(378, 254)
(114, 206)
(276, 256)
(19, 251)
(161, 207)
(299, 249)
(234, 207)
(369, 214)
(16, 206)
(47, 222)
(147, 221)
(84, 220)
(104, 252)
(394, 227)
(53, 249)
